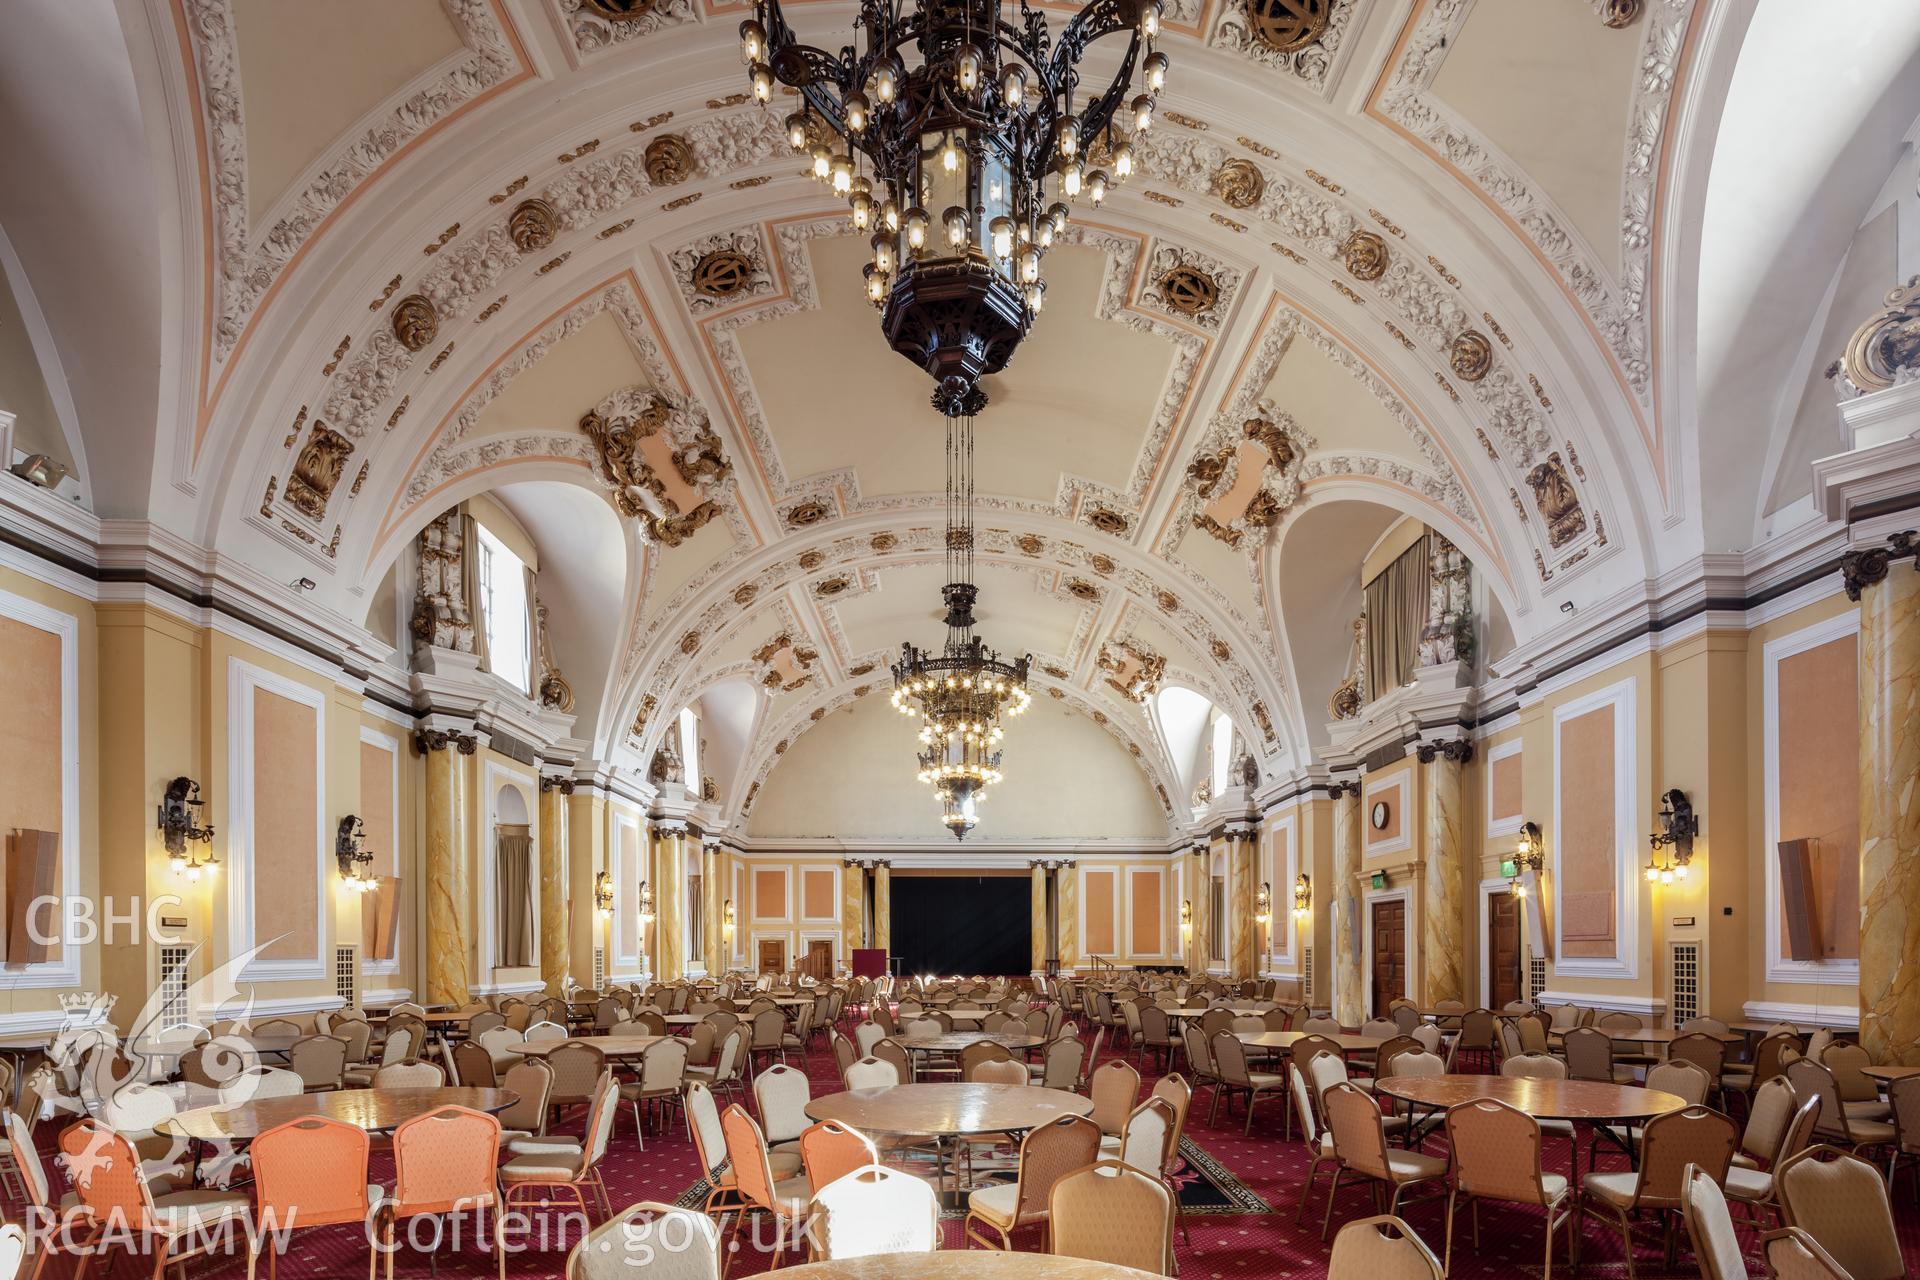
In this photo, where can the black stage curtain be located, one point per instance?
(963, 924)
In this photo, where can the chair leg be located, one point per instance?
(1446, 1257)
(1325, 1222)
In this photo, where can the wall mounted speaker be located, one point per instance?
(1797, 896)
(1539, 917)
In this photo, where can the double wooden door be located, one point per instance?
(1503, 949)
(1388, 923)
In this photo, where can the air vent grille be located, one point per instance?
(599, 968)
(1536, 976)
(1306, 974)
(1686, 981)
(174, 1009)
(346, 970)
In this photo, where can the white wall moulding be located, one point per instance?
(1647, 1006)
(242, 871)
(1841, 1017)
(1624, 963)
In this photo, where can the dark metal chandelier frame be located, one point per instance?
(963, 150)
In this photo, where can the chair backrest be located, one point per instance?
(1476, 1029)
(888, 1049)
(1380, 1028)
(1682, 1078)
(471, 1063)
(1845, 1060)
(1147, 1141)
(873, 1210)
(656, 1239)
(319, 1061)
(873, 1073)
(1771, 1054)
(1710, 1226)
(399, 1044)
(1312, 1045)
(829, 1150)
(107, 1175)
(1707, 1052)
(1115, 1086)
(1302, 1093)
(663, 1067)
(1792, 1254)
(1321, 1026)
(1589, 1054)
(866, 1035)
(540, 1032)
(310, 1172)
(1669, 1143)
(486, 1021)
(1496, 1151)
(1768, 1115)
(709, 1139)
(1532, 1030)
(576, 1069)
(980, 1052)
(781, 1094)
(1324, 1070)
(1060, 1063)
(1534, 1066)
(1048, 1154)
(445, 1160)
(1358, 1134)
(1818, 1043)
(747, 1153)
(1841, 1201)
(1005, 1071)
(1381, 1248)
(1509, 1038)
(532, 1080)
(1390, 1049)
(520, 1016)
(1110, 1212)
(1904, 1095)
(409, 1075)
(1618, 1021)
(1812, 1080)
(1406, 1017)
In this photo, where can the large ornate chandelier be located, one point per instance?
(961, 693)
(954, 137)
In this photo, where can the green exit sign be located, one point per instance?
(1379, 879)
(1509, 868)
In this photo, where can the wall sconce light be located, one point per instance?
(726, 920)
(352, 860)
(1263, 904)
(603, 894)
(179, 823)
(1186, 918)
(1528, 855)
(646, 903)
(1678, 826)
(1302, 896)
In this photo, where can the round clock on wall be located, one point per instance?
(1378, 815)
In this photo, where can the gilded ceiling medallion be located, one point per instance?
(723, 273)
(690, 642)
(317, 471)
(1056, 693)
(1239, 184)
(532, 225)
(1558, 503)
(1030, 544)
(1107, 520)
(744, 594)
(1101, 564)
(1167, 601)
(1056, 671)
(618, 10)
(802, 514)
(1221, 653)
(1288, 26)
(668, 160)
(884, 542)
(1472, 356)
(832, 586)
(1189, 290)
(1618, 13)
(1366, 255)
(860, 670)
(415, 322)
(1081, 589)
(811, 560)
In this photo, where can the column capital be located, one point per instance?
(1343, 787)
(554, 782)
(1458, 750)
(1862, 568)
(426, 740)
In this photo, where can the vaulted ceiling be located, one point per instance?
(1438, 245)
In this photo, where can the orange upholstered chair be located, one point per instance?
(308, 1173)
(444, 1162)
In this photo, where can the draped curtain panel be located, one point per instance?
(515, 899)
(1396, 604)
(470, 583)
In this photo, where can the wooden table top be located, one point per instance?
(1286, 1040)
(684, 1019)
(1541, 1099)
(1652, 1035)
(955, 1041)
(447, 1017)
(1237, 1010)
(946, 1110)
(963, 1264)
(375, 1110)
(1761, 1029)
(611, 1046)
(968, 1012)
(1889, 1073)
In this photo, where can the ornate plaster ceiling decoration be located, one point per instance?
(1299, 38)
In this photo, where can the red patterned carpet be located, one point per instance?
(1224, 1244)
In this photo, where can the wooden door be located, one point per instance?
(1389, 923)
(1503, 949)
(773, 955)
(820, 960)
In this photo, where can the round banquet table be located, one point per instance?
(375, 1110)
(1283, 1041)
(948, 1112)
(1592, 1101)
(955, 1041)
(610, 1046)
(1888, 1074)
(963, 1264)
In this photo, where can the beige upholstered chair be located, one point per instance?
(320, 1061)
(1589, 1055)
(1318, 1138)
(872, 1210)
(710, 1148)
(1381, 1248)
(577, 1068)
(473, 1065)
(1669, 1144)
(781, 1094)
(1046, 1154)
(398, 1047)
(1113, 1213)
(532, 1080)
(1059, 1065)
(873, 1073)
(1230, 1060)
(1811, 1079)
(409, 1075)
(544, 1166)
(662, 1082)
(1360, 1139)
(984, 1051)
(1840, 1201)
(1496, 1156)
(657, 1240)
(1776, 1128)
(1704, 1209)
(1115, 1086)
(1792, 1254)
(1005, 1071)
(1859, 1095)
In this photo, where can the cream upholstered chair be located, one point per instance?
(1115, 1087)
(1840, 1200)
(398, 1047)
(1046, 1154)
(1381, 1248)
(1589, 1055)
(1669, 1143)
(546, 1165)
(874, 1209)
(1775, 1129)
(1319, 1140)
(1792, 1254)
(499, 1042)
(1002, 1071)
(410, 1075)
(1496, 1156)
(866, 1035)
(319, 1060)
(1360, 1139)
(1704, 1209)
(540, 1032)
(710, 1148)
(1230, 1061)
(662, 1082)
(1685, 1080)
(1859, 1095)
(526, 1117)
(781, 1094)
(873, 1073)
(1380, 1028)
(657, 1240)
(984, 1051)
(1811, 1079)
(1059, 1065)
(1113, 1213)
(1144, 1140)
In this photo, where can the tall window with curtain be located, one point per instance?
(1396, 605)
(513, 894)
(696, 929)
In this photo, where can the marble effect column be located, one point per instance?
(555, 948)
(1349, 983)
(1067, 902)
(449, 898)
(669, 904)
(1442, 947)
(883, 907)
(853, 909)
(1890, 816)
(714, 877)
(1037, 875)
(1243, 939)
